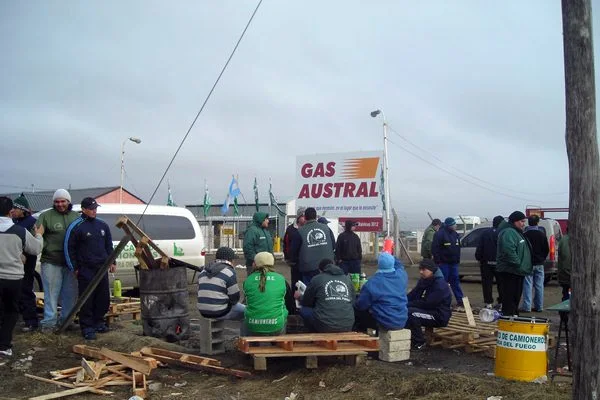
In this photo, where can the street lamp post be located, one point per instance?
(386, 180)
(134, 140)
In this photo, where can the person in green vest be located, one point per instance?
(269, 299)
(428, 238)
(257, 238)
(564, 266)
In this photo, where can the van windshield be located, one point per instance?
(157, 227)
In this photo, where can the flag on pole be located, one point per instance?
(256, 194)
(236, 209)
(206, 203)
(233, 192)
(382, 188)
(170, 201)
(273, 201)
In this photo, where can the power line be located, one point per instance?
(458, 176)
(470, 175)
(203, 105)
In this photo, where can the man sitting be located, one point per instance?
(327, 300)
(428, 303)
(382, 300)
(218, 291)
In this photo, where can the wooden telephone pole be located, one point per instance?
(584, 196)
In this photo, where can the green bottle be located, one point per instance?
(117, 288)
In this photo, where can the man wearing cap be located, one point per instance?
(382, 300)
(513, 261)
(348, 249)
(218, 290)
(446, 254)
(291, 245)
(428, 237)
(428, 303)
(486, 255)
(326, 222)
(58, 280)
(21, 215)
(88, 244)
(14, 240)
(257, 238)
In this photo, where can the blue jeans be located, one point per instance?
(537, 281)
(59, 283)
(235, 314)
(450, 272)
(308, 316)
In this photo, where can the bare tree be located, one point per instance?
(584, 196)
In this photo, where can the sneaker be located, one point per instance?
(459, 308)
(91, 335)
(498, 307)
(537, 310)
(523, 310)
(6, 353)
(102, 329)
(29, 328)
(419, 346)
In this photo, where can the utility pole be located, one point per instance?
(584, 196)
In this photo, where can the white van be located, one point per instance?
(173, 229)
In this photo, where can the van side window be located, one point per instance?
(472, 239)
(157, 227)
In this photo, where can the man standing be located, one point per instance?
(326, 222)
(291, 245)
(446, 253)
(58, 280)
(428, 238)
(348, 249)
(257, 238)
(22, 216)
(315, 245)
(513, 261)
(486, 255)
(539, 252)
(14, 240)
(88, 244)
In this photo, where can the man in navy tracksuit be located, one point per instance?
(428, 303)
(88, 243)
(446, 254)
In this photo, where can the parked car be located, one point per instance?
(174, 229)
(469, 266)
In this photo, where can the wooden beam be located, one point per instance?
(64, 384)
(132, 362)
(64, 393)
(469, 311)
(95, 352)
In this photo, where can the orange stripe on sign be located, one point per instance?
(360, 168)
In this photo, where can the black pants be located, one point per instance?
(10, 291)
(27, 305)
(417, 318)
(295, 275)
(511, 288)
(364, 320)
(488, 273)
(565, 291)
(91, 314)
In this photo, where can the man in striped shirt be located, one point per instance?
(218, 291)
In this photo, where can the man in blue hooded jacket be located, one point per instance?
(428, 303)
(382, 300)
(446, 254)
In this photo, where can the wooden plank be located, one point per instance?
(289, 346)
(138, 384)
(136, 364)
(64, 393)
(95, 352)
(309, 337)
(328, 344)
(308, 353)
(89, 369)
(152, 351)
(469, 311)
(64, 384)
(300, 348)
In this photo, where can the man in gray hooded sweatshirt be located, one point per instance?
(218, 291)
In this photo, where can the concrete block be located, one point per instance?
(395, 356)
(212, 335)
(392, 347)
(392, 336)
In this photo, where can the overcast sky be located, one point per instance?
(477, 85)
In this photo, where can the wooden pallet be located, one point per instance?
(353, 346)
(459, 333)
(124, 306)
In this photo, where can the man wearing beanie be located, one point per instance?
(486, 255)
(428, 238)
(539, 251)
(446, 254)
(218, 291)
(291, 246)
(14, 240)
(58, 280)
(21, 215)
(428, 303)
(513, 261)
(382, 300)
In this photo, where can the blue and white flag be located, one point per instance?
(233, 192)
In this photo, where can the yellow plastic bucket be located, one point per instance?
(521, 348)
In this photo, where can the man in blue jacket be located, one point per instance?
(428, 303)
(486, 255)
(382, 300)
(446, 254)
(88, 243)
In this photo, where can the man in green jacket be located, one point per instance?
(513, 261)
(257, 238)
(58, 280)
(564, 266)
(428, 238)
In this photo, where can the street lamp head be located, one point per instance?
(375, 113)
(135, 140)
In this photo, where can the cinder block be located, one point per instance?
(392, 347)
(212, 336)
(395, 356)
(392, 336)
